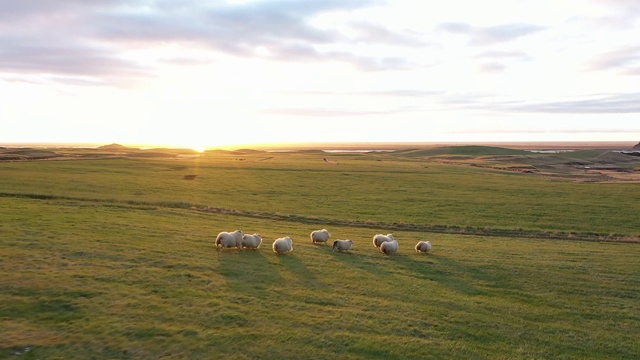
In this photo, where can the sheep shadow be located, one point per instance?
(247, 271)
(445, 271)
(293, 269)
(429, 267)
(369, 260)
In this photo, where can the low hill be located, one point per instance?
(114, 147)
(467, 150)
(27, 154)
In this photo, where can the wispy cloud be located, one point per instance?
(455, 27)
(492, 67)
(622, 103)
(600, 104)
(405, 93)
(497, 61)
(372, 33)
(488, 35)
(503, 54)
(625, 60)
(620, 13)
(69, 58)
(326, 112)
(503, 33)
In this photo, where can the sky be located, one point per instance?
(218, 73)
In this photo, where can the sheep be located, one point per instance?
(282, 245)
(251, 241)
(389, 247)
(229, 239)
(380, 238)
(342, 245)
(320, 236)
(423, 246)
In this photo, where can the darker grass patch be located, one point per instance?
(228, 319)
(188, 333)
(48, 304)
(15, 352)
(248, 273)
(77, 255)
(300, 271)
(453, 274)
(373, 349)
(55, 308)
(43, 310)
(320, 301)
(147, 333)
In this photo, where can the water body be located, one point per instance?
(549, 151)
(355, 151)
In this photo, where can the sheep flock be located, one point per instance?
(386, 244)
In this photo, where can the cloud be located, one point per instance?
(489, 35)
(404, 93)
(371, 33)
(625, 60)
(495, 61)
(502, 54)
(601, 104)
(325, 112)
(622, 13)
(69, 58)
(492, 67)
(620, 103)
(455, 27)
(503, 33)
(236, 29)
(73, 37)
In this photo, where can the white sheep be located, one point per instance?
(423, 246)
(229, 239)
(251, 241)
(320, 236)
(389, 247)
(282, 245)
(342, 245)
(380, 238)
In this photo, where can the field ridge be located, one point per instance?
(448, 229)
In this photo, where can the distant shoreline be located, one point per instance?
(528, 145)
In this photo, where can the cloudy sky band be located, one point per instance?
(422, 65)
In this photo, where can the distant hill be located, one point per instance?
(27, 154)
(636, 147)
(112, 147)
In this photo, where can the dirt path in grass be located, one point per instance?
(446, 229)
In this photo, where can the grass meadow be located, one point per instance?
(115, 259)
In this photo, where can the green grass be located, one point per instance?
(115, 264)
(383, 188)
(470, 150)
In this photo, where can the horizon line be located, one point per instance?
(328, 145)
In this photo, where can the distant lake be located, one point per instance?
(550, 151)
(355, 151)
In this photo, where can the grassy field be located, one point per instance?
(112, 259)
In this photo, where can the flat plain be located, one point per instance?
(109, 253)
